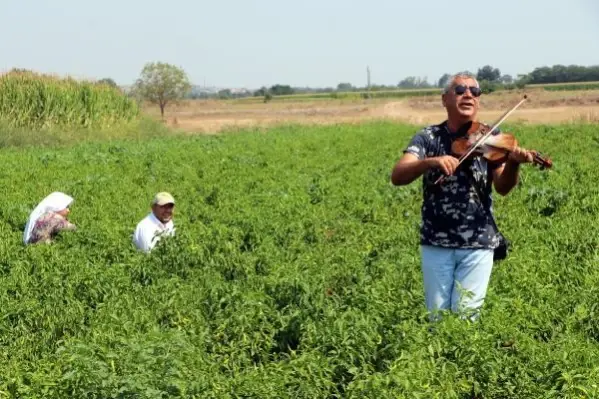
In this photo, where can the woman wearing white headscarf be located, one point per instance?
(48, 219)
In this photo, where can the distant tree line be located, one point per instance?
(162, 83)
(489, 77)
(563, 74)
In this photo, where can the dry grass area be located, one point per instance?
(213, 116)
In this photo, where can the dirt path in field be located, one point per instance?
(209, 116)
(401, 111)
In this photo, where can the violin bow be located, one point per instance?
(482, 139)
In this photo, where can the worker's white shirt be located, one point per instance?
(149, 231)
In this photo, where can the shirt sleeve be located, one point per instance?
(418, 145)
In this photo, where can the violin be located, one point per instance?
(495, 149)
(479, 140)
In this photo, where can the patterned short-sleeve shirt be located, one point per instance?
(452, 213)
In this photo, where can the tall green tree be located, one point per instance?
(281, 90)
(443, 80)
(488, 73)
(344, 86)
(162, 83)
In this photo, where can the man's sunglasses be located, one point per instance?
(461, 89)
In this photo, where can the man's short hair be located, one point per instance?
(463, 75)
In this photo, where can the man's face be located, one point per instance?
(164, 213)
(462, 106)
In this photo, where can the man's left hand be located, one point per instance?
(520, 155)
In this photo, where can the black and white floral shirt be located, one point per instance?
(453, 215)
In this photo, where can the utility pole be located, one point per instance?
(368, 81)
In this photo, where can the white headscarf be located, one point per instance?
(54, 202)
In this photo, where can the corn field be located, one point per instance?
(29, 100)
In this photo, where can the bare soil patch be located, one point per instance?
(213, 116)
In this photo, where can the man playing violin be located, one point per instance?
(457, 237)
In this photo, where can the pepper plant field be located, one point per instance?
(294, 274)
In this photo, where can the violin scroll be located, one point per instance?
(543, 162)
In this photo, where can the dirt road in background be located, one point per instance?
(211, 116)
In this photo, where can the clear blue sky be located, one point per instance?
(250, 43)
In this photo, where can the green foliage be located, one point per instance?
(33, 101)
(261, 92)
(563, 74)
(488, 87)
(406, 93)
(224, 94)
(137, 130)
(161, 83)
(413, 82)
(107, 81)
(295, 273)
(358, 94)
(281, 90)
(343, 86)
(538, 78)
(488, 73)
(506, 79)
(443, 80)
(572, 86)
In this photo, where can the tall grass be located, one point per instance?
(33, 101)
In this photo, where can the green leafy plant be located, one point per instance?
(295, 273)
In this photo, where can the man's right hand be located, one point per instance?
(409, 167)
(446, 163)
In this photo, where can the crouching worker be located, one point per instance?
(158, 224)
(48, 219)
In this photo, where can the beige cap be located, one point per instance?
(163, 199)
